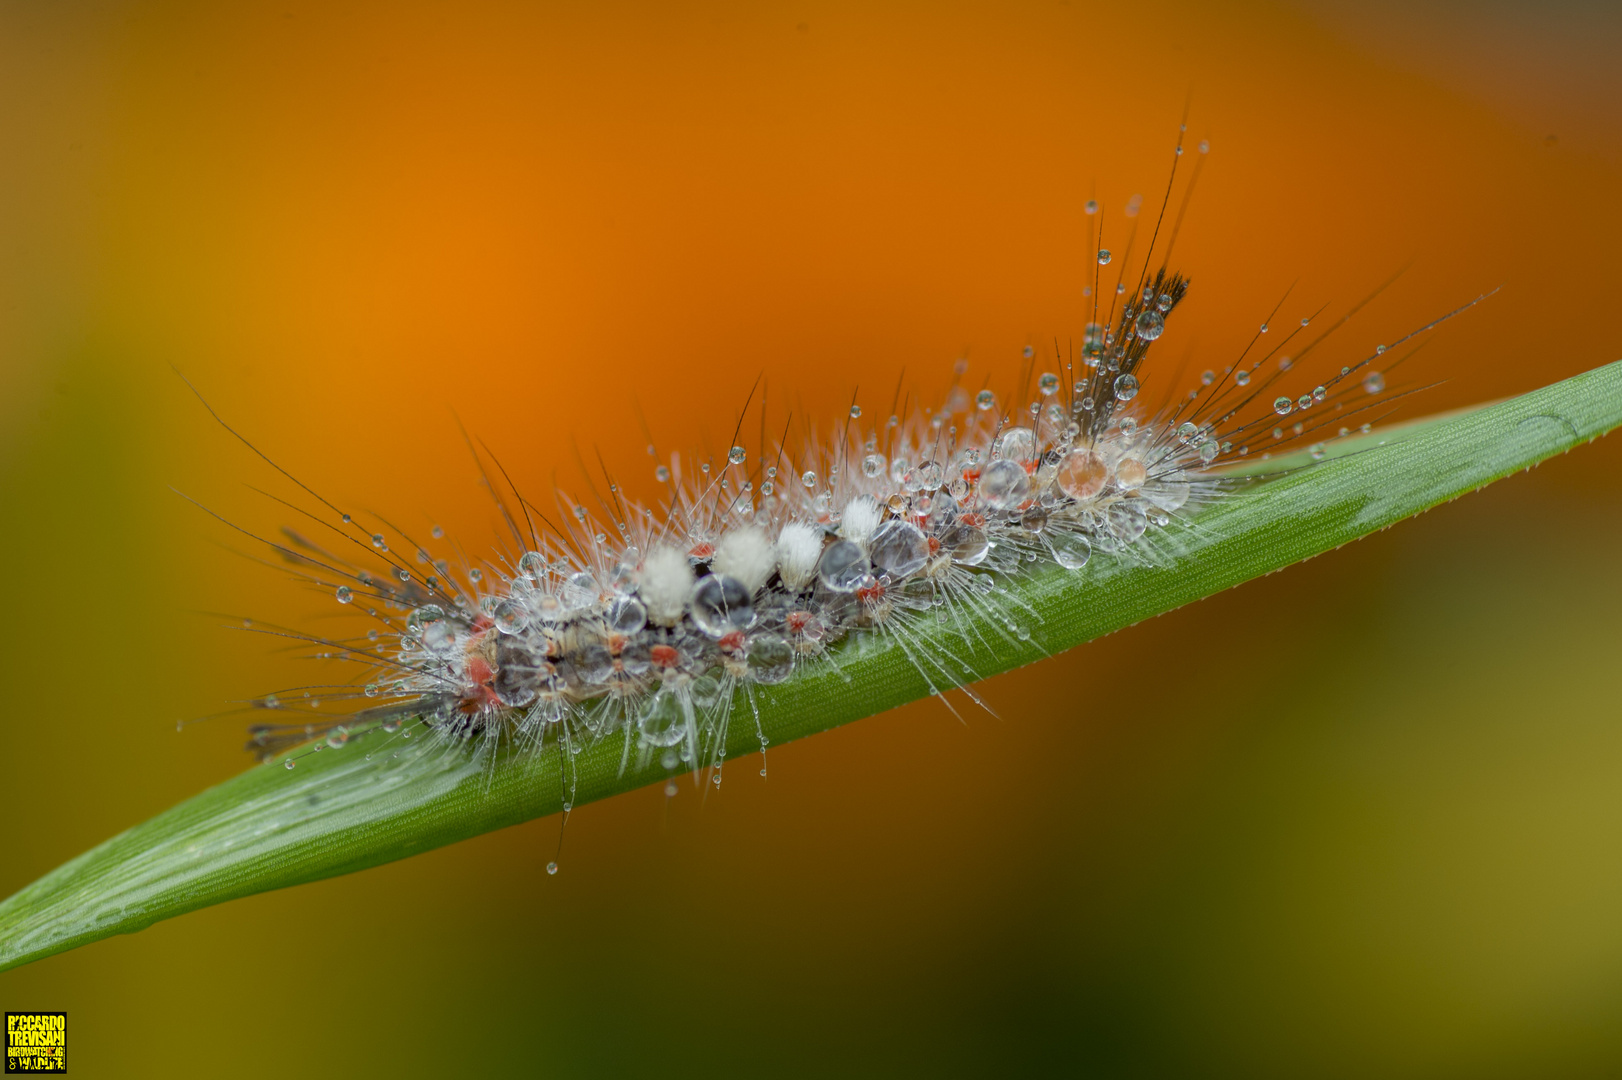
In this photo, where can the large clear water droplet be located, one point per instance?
(721, 605)
(843, 567)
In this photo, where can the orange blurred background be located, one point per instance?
(1362, 817)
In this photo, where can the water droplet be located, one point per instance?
(1282, 406)
(1091, 207)
(927, 476)
(736, 455)
(1103, 256)
(1015, 444)
(510, 617)
(1082, 474)
(1070, 550)
(1004, 485)
(770, 657)
(345, 518)
(1379, 350)
(966, 544)
(1373, 382)
(1241, 377)
(1304, 401)
(377, 540)
(855, 411)
(873, 466)
(551, 867)
(1034, 520)
(843, 567)
(662, 721)
(1205, 146)
(288, 764)
(1126, 387)
(1317, 451)
(344, 594)
(985, 400)
(721, 605)
(808, 478)
(1048, 384)
(899, 548)
(1209, 451)
(1150, 325)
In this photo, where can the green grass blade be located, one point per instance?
(342, 811)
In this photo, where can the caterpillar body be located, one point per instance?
(654, 623)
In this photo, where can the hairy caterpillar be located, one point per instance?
(657, 625)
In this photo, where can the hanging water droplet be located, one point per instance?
(551, 867)
(1048, 384)
(736, 455)
(808, 478)
(344, 594)
(1103, 256)
(1126, 387)
(984, 400)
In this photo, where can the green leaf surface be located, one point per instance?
(373, 801)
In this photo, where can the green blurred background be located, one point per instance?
(1360, 818)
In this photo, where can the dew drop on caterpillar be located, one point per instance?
(654, 614)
